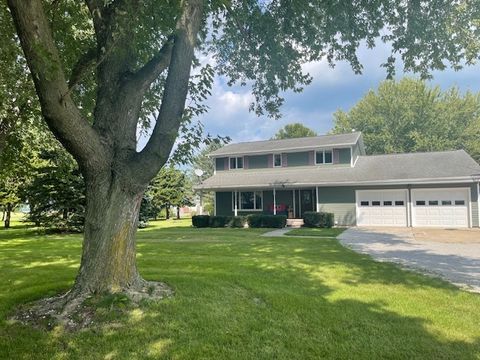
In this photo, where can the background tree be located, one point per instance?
(170, 188)
(295, 130)
(56, 193)
(203, 162)
(101, 68)
(408, 116)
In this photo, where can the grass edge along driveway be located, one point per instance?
(240, 296)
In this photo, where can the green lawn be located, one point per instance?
(332, 232)
(241, 296)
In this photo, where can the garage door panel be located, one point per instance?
(381, 208)
(450, 209)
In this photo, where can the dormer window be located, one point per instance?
(323, 157)
(277, 160)
(236, 163)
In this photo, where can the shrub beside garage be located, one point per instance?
(318, 219)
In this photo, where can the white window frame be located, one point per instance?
(239, 203)
(236, 163)
(281, 160)
(323, 155)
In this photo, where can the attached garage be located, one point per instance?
(441, 207)
(381, 207)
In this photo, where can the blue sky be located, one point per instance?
(331, 89)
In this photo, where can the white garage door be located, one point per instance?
(381, 207)
(440, 207)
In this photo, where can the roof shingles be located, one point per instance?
(402, 168)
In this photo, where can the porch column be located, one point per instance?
(316, 199)
(215, 203)
(293, 194)
(274, 203)
(235, 201)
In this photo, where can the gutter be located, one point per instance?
(286, 185)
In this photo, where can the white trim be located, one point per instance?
(409, 207)
(235, 200)
(316, 199)
(351, 156)
(274, 202)
(239, 203)
(281, 160)
(236, 162)
(323, 151)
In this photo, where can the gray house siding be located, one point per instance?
(221, 164)
(257, 161)
(344, 156)
(297, 158)
(223, 203)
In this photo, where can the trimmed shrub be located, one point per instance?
(266, 221)
(318, 219)
(254, 220)
(219, 221)
(201, 221)
(237, 221)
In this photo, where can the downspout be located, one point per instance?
(409, 206)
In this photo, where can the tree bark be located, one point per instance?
(108, 258)
(167, 211)
(178, 212)
(8, 213)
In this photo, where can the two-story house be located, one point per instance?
(332, 173)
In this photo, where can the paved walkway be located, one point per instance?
(455, 261)
(277, 232)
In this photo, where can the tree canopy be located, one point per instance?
(295, 130)
(409, 115)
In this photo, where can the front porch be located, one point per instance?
(289, 202)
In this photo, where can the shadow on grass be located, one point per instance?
(242, 296)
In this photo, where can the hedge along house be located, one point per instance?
(331, 173)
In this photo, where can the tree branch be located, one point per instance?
(149, 161)
(144, 77)
(58, 108)
(83, 64)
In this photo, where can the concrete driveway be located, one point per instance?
(451, 254)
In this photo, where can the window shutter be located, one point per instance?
(245, 162)
(284, 160)
(336, 156)
(225, 163)
(270, 160)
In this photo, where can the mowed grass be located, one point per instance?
(322, 232)
(241, 296)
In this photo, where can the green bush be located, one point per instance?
(237, 221)
(219, 221)
(318, 219)
(201, 221)
(266, 221)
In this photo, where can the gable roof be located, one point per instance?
(412, 168)
(304, 143)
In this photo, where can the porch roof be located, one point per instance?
(432, 167)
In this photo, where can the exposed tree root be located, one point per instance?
(76, 311)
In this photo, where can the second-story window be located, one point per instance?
(236, 163)
(277, 160)
(323, 157)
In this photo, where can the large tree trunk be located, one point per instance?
(108, 259)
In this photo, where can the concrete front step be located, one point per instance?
(295, 223)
